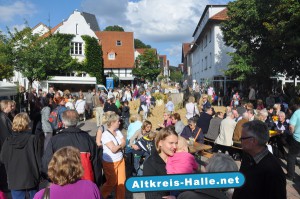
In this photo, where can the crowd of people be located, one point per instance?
(41, 133)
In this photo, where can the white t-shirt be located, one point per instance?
(108, 155)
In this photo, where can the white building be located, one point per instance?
(207, 59)
(78, 24)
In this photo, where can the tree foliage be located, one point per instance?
(176, 75)
(93, 63)
(147, 65)
(114, 28)
(36, 57)
(139, 44)
(266, 37)
(6, 67)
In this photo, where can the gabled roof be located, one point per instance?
(91, 19)
(220, 16)
(203, 14)
(124, 53)
(52, 30)
(39, 25)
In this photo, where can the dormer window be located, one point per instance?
(111, 56)
(119, 43)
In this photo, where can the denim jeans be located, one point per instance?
(21, 194)
(294, 150)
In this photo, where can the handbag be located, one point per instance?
(46, 194)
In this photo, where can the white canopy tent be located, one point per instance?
(7, 89)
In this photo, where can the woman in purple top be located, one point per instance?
(65, 172)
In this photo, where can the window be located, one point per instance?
(201, 46)
(111, 56)
(119, 43)
(202, 66)
(206, 63)
(210, 60)
(76, 48)
(205, 41)
(209, 34)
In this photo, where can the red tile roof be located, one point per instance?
(185, 48)
(52, 30)
(221, 16)
(124, 53)
(164, 59)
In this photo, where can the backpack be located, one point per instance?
(55, 120)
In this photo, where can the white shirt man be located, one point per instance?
(226, 130)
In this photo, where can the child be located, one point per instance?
(126, 114)
(145, 144)
(170, 105)
(182, 161)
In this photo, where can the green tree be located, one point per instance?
(147, 65)
(176, 75)
(139, 44)
(93, 62)
(265, 36)
(36, 57)
(6, 67)
(114, 28)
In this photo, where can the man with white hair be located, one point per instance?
(226, 130)
(74, 136)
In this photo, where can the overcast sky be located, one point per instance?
(164, 24)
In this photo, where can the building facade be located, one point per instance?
(208, 56)
(118, 54)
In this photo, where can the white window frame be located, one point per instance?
(76, 48)
(111, 56)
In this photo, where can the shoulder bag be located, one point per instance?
(122, 150)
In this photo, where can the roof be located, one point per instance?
(91, 19)
(52, 30)
(39, 25)
(203, 14)
(142, 50)
(220, 16)
(163, 58)
(124, 57)
(185, 48)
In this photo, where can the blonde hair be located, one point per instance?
(112, 118)
(182, 144)
(135, 117)
(21, 122)
(191, 99)
(65, 166)
(163, 134)
(106, 116)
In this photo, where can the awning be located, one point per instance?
(72, 80)
(7, 89)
